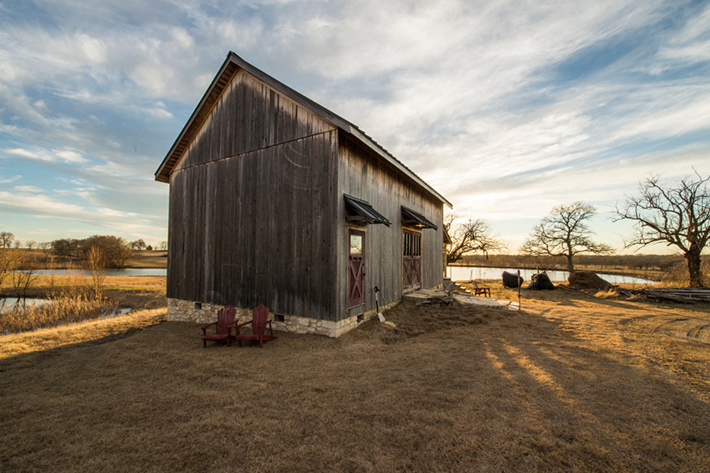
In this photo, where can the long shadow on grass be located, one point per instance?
(552, 400)
(462, 391)
(574, 297)
(28, 359)
(598, 409)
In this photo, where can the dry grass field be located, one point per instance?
(571, 383)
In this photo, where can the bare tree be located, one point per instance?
(115, 250)
(565, 233)
(138, 244)
(47, 250)
(678, 215)
(96, 265)
(8, 264)
(473, 236)
(18, 244)
(22, 277)
(6, 239)
(30, 244)
(163, 245)
(66, 248)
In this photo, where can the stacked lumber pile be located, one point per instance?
(680, 294)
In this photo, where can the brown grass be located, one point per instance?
(49, 340)
(73, 300)
(572, 383)
(60, 309)
(148, 259)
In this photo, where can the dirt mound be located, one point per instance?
(412, 320)
(587, 280)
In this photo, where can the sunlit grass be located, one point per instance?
(571, 383)
(75, 333)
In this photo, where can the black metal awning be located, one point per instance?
(410, 217)
(362, 212)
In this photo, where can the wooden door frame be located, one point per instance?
(363, 265)
(418, 232)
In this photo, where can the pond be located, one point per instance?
(109, 272)
(466, 273)
(7, 303)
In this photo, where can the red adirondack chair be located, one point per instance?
(259, 321)
(478, 291)
(225, 322)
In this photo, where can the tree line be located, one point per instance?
(677, 214)
(115, 251)
(8, 240)
(637, 262)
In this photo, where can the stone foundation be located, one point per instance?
(202, 313)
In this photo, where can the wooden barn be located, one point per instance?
(276, 200)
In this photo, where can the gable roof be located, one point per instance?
(230, 67)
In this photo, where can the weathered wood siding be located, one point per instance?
(364, 176)
(248, 116)
(253, 207)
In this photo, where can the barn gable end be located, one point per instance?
(258, 174)
(249, 115)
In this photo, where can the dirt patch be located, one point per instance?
(687, 327)
(587, 280)
(411, 320)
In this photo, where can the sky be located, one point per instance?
(507, 108)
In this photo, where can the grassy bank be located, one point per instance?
(72, 300)
(571, 383)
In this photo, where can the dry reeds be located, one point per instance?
(610, 293)
(59, 309)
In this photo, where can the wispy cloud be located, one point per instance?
(29, 200)
(8, 180)
(507, 108)
(66, 156)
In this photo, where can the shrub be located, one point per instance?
(115, 250)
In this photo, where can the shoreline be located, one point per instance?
(633, 274)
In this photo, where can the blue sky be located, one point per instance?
(507, 108)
